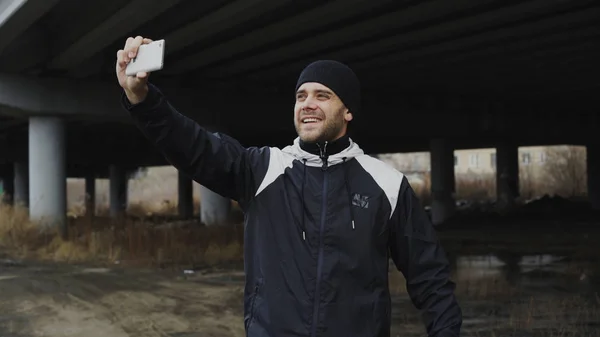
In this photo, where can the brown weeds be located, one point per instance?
(127, 241)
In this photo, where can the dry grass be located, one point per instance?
(103, 240)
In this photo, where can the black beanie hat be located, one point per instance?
(336, 76)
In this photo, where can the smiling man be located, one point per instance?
(322, 218)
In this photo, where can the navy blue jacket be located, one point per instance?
(321, 223)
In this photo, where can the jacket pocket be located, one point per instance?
(251, 311)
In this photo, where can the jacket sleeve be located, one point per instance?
(418, 254)
(214, 160)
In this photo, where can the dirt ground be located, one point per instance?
(61, 300)
(68, 300)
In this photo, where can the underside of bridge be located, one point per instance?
(435, 74)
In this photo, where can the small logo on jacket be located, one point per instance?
(361, 201)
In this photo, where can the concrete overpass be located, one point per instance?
(437, 75)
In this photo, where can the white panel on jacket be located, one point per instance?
(278, 162)
(388, 178)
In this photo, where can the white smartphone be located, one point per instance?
(150, 57)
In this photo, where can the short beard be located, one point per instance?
(331, 131)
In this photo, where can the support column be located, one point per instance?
(21, 196)
(214, 208)
(507, 175)
(442, 181)
(185, 200)
(118, 191)
(8, 183)
(90, 195)
(47, 172)
(593, 175)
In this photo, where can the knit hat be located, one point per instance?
(336, 76)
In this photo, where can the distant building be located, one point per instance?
(477, 161)
(483, 161)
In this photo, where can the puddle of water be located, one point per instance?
(94, 270)
(479, 266)
(7, 277)
(528, 295)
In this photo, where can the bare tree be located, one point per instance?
(564, 170)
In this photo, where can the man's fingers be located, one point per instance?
(128, 43)
(129, 52)
(122, 60)
(137, 42)
(132, 45)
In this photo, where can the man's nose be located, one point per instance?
(309, 104)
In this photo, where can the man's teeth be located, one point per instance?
(310, 120)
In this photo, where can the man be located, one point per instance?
(321, 217)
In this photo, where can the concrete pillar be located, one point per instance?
(118, 190)
(214, 209)
(21, 196)
(593, 174)
(185, 200)
(90, 195)
(47, 172)
(442, 181)
(507, 175)
(8, 183)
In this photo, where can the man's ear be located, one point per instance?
(348, 115)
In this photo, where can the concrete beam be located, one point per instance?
(100, 101)
(43, 96)
(401, 19)
(233, 14)
(456, 35)
(17, 15)
(47, 172)
(530, 35)
(301, 23)
(546, 61)
(129, 17)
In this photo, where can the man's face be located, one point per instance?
(319, 114)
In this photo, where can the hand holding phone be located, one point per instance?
(149, 58)
(133, 76)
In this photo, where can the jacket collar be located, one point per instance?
(325, 148)
(337, 152)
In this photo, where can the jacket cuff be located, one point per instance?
(152, 99)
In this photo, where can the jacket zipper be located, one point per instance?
(317, 299)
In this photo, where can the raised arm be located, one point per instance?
(214, 160)
(418, 254)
